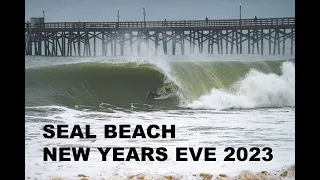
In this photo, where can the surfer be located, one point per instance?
(152, 95)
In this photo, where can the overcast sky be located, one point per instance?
(132, 10)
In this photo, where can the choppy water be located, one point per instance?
(212, 104)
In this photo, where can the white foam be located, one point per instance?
(194, 128)
(256, 89)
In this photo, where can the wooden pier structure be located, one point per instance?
(232, 36)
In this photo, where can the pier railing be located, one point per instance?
(165, 24)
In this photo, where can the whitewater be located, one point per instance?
(213, 101)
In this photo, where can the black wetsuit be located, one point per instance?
(152, 95)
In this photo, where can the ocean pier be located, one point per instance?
(273, 36)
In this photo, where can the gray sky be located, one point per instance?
(131, 10)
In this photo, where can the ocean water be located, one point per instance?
(213, 101)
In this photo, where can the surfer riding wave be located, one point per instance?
(152, 95)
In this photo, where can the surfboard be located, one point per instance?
(160, 98)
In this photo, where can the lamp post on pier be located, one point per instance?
(118, 14)
(144, 16)
(240, 14)
(240, 24)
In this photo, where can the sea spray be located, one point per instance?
(255, 90)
